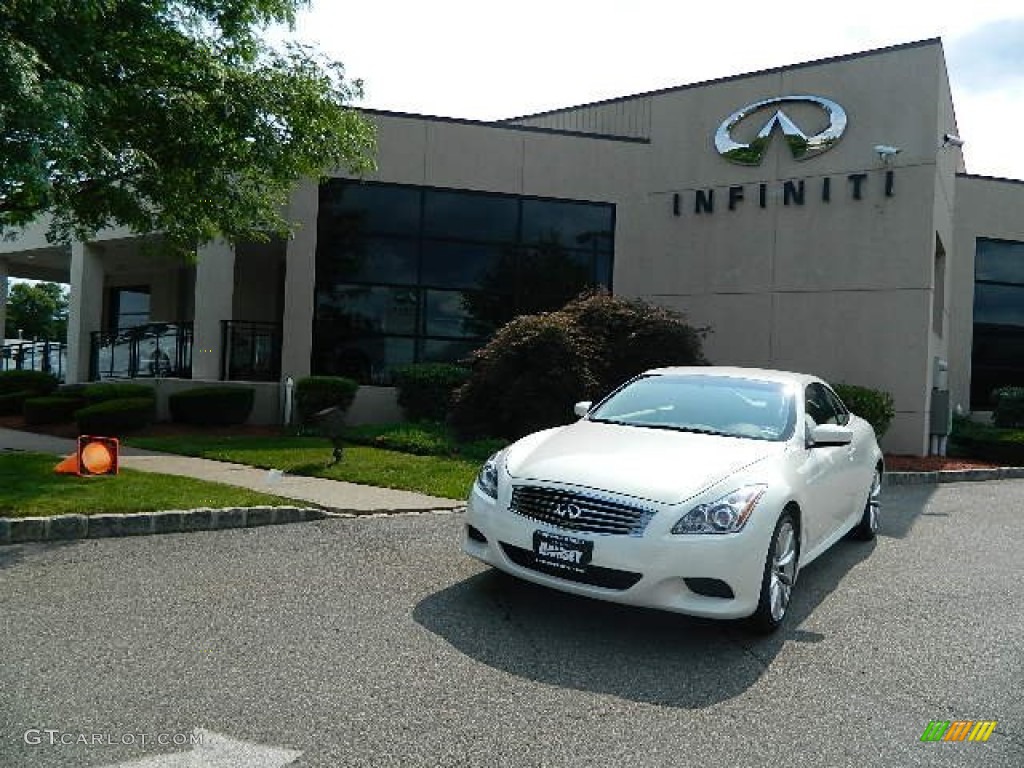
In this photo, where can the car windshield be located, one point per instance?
(717, 405)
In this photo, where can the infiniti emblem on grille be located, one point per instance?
(569, 511)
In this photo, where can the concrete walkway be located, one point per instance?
(333, 495)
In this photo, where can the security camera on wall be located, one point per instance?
(951, 140)
(887, 153)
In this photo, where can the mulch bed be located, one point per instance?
(932, 463)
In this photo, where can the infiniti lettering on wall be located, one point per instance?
(802, 145)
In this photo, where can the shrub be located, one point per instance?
(101, 393)
(1009, 407)
(628, 337)
(212, 405)
(425, 438)
(315, 393)
(984, 442)
(12, 403)
(36, 382)
(51, 410)
(425, 390)
(524, 380)
(873, 405)
(533, 370)
(112, 417)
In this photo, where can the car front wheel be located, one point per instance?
(780, 570)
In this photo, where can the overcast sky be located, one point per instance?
(485, 60)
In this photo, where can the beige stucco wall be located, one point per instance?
(985, 207)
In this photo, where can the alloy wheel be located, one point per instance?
(783, 570)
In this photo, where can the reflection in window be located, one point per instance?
(410, 274)
(997, 352)
(466, 216)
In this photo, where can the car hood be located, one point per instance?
(661, 465)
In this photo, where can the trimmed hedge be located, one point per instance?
(873, 405)
(1009, 407)
(36, 382)
(101, 393)
(984, 442)
(112, 417)
(51, 410)
(425, 390)
(315, 393)
(12, 403)
(217, 406)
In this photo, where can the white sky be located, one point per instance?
(485, 60)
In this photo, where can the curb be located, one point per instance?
(21, 530)
(953, 476)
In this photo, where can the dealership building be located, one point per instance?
(815, 217)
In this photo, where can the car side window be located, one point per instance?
(837, 404)
(818, 405)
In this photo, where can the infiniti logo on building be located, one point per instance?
(801, 145)
(568, 511)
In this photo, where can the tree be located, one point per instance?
(165, 115)
(39, 311)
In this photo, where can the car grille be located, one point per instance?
(609, 578)
(579, 512)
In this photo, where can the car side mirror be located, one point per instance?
(582, 408)
(823, 435)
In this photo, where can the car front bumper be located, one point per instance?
(650, 570)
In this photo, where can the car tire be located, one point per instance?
(867, 528)
(781, 566)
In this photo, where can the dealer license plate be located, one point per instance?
(565, 552)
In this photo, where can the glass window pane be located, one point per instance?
(370, 260)
(998, 304)
(133, 302)
(470, 216)
(447, 315)
(603, 270)
(999, 261)
(549, 276)
(353, 207)
(448, 350)
(352, 310)
(573, 225)
(466, 265)
(367, 360)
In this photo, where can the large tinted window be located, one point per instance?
(997, 355)
(410, 274)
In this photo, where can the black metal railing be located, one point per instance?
(252, 351)
(150, 351)
(47, 356)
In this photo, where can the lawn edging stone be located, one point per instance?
(23, 530)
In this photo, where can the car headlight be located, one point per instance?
(487, 478)
(725, 515)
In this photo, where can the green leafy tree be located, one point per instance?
(39, 311)
(165, 115)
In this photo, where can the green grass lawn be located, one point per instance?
(448, 477)
(29, 487)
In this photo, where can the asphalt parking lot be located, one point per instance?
(373, 642)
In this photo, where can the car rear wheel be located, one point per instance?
(867, 528)
(780, 570)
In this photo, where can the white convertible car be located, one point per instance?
(696, 490)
